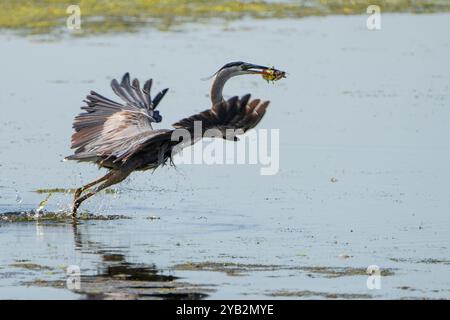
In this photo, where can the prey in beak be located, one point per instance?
(268, 74)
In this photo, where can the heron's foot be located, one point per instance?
(77, 194)
(76, 201)
(76, 205)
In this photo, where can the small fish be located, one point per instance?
(273, 74)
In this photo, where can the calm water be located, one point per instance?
(367, 110)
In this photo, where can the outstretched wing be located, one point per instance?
(236, 114)
(132, 95)
(110, 130)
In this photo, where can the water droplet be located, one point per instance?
(43, 203)
(18, 198)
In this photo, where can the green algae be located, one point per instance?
(238, 269)
(112, 16)
(336, 272)
(68, 191)
(30, 266)
(326, 295)
(424, 261)
(31, 216)
(230, 268)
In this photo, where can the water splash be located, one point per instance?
(19, 198)
(42, 205)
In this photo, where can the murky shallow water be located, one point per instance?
(367, 110)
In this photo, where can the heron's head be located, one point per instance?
(238, 68)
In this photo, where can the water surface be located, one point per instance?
(363, 175)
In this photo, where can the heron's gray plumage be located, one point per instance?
(108, 131)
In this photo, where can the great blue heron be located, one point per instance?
(120, 136)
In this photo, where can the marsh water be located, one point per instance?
(363, 180)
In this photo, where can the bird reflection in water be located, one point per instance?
(117, 278)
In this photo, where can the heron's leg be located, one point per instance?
(112, 178)
(79, 191)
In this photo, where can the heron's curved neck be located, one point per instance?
(218, 84)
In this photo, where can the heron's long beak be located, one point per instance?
(255, 69)
(269, 74)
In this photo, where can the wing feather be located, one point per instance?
(114, 132)
(235, 113)
(108, 129)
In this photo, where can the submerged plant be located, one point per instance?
(106, 16)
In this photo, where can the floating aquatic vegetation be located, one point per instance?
(30, 266)
(32, 216)
(336, 272)
(69, 191)
(425, 261)
(230, 268)
(326, 295)
(234, 269)
(112, 16)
